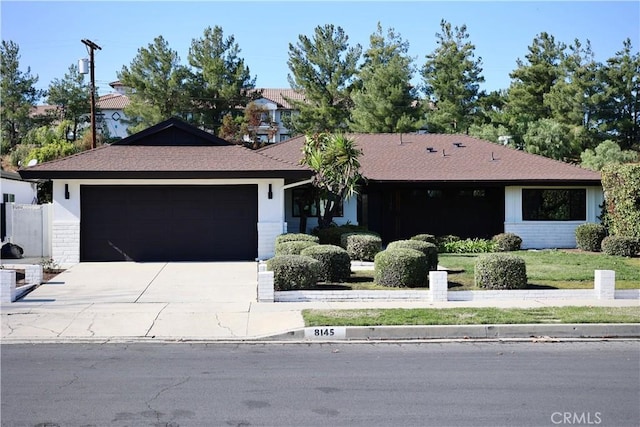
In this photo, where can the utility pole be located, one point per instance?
(91, 47)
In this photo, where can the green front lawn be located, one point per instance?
(470, 316)
(551, 269)
(546, 269)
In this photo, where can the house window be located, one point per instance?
(471, 193)
(542, 204)
(310, 207)
(8, 198)
(284, 137)
(285, 115)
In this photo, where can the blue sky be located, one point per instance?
(49, 32)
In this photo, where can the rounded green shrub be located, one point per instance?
(429, 250)
(292, 272)
(429, 238)
(362, 247)
(293, 247)
(589, 236)
(507, 242)
(620, 246)
(333, 235)
(296, 237)
(500, 271)
(335, 264)
(400, 268)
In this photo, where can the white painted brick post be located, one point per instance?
(33, 274)
(438, 286)
(265, 284)
(605, 284)
(7, 285)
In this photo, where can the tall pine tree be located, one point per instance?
(452, 77)
(530, 82)
(322, 68)
(73, 96)
(221, 81)
(156, 83)
(384, 99)
(18, 95)
(620, 109)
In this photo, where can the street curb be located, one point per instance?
(499, 331)
(407, 334)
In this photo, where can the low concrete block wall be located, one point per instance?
(604, 288)
(7, 285)
(33, 276)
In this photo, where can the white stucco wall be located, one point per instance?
(25, 192)
(117, 128)
(66, 213)
(547, 234)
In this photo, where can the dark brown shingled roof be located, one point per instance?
(133, 157)
(446, 158)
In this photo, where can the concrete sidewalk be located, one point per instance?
(182, 301)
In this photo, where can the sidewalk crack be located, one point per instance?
(154, 320)
(75, 317)
(224, 327)
(151, 282)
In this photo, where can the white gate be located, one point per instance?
(29, 226)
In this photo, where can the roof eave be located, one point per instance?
(516, 182)
(32, 174)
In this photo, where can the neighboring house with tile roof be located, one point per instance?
(277, 106)
(110, 114)
(459, 185)
(112, 117)
(110, 111)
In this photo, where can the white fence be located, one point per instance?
(29, 226)
(604, 288)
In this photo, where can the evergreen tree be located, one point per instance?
(607, 152)
(73, 96)
(156, 85)
(384, 100)
(18, 96)
(452, 78)
(573, 98)
(550, 138)
(620, 109)
(221, 81)
(531, 81)
(322, 68)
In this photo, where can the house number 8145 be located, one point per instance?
(338, 333)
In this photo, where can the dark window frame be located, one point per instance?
(295, 210)
(554, 204)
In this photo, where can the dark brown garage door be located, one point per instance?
(169, 223)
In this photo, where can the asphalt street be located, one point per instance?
(383, 384)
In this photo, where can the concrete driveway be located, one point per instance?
(189, 300)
